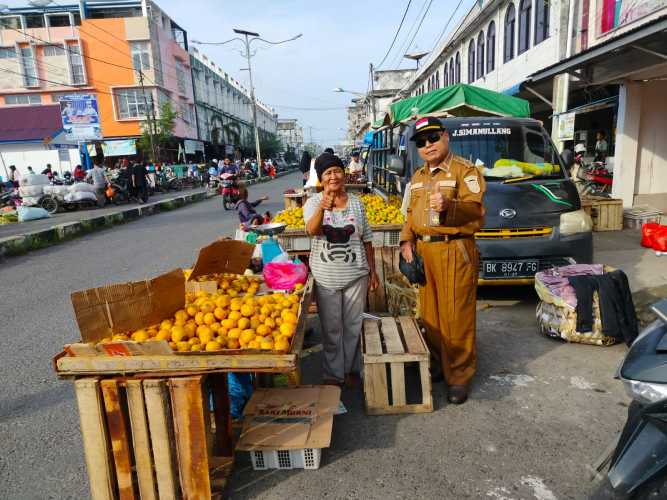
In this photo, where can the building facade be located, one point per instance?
(290, 134)
(224, 108)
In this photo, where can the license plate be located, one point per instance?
(509, 268)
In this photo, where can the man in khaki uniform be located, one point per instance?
(444, 212)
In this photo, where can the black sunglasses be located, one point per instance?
(431, 138)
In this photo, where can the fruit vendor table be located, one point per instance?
(295, 200)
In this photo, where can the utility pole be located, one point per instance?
(372, 92)
(149, 117)
(252, 98)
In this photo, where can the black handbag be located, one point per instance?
(413, 271)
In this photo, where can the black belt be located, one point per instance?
(426, 238)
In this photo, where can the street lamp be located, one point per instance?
(367, 97)
(247, 41)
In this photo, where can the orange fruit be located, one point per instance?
(270, 322)
(207, 307)
(247, 310)
(289, 317)
(181, 315)
(228, 323)
(205, 334)
(236, 305)
(243, 323)
(213, 346)
(255, 322)
(247, 336)
(209, 318)
(192, 310)
(166, 324)
(182, 346)
(287, 329)
(234, 333)
(199, 318)
(233, 344)
(262, 330)
(235, 315)
(253, 344)
(190, 329)
(214, 327)
(195, 347)
(178, 335)
(266, 344)
(279, 321)
(163, 335)
(282, 344)
(220, 313)
(223, 301)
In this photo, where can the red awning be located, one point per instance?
(29, 123)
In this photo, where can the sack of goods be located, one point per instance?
(31, 201)
(82, 187)
(25, 191)
(35, 180)
(56, 190)
(80, 196)
(31, 213)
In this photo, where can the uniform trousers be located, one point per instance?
(340, 316)
(448, 305)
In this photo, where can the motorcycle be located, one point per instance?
(230, 191)
(637, 461)
(592, 179)
(10, 198)
(214, 184)
(166, 181)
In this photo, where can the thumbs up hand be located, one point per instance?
(438, 201)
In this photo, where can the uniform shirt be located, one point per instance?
(338, 256)
(461, 183)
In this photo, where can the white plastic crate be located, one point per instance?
(294, 243)
(306, 458)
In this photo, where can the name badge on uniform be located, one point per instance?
(447, 184)
(472, 181)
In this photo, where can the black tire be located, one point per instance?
(177, 185)
(227, 203)
(50, 204)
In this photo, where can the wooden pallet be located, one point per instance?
(388, 346)
(607, 213)
(156, 438)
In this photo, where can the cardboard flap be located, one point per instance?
(101, 312)
(223, 256)
(289, 418)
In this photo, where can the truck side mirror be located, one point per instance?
(396, 165)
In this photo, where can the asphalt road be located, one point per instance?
(541, 411)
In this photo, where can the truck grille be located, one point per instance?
(520, 232)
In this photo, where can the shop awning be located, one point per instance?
(460, 100)
(639, 54)
(29, 123)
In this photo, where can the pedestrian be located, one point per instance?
(445, 211)
(601, 146)
(14, 176)
(343, 265)
(30, 171)
(79, 174)
(304, 165)
(355, 167)
(139, 191)
(100, 182)
(248, 216)
(48, 171)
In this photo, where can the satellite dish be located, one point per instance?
(40, 3)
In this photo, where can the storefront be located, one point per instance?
(635, 63)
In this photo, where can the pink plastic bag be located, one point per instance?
(284, 275)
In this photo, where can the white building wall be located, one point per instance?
(35, 155)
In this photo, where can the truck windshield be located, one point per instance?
(506, 152)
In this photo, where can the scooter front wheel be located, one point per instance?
(227, 203)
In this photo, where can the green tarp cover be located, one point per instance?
(460, 100)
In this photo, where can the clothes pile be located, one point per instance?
(586, 303)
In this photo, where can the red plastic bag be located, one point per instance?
(660, 239)
(648, 231)
(284, 275)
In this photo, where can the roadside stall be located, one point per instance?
(150, 370)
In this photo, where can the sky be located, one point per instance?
(340, 39)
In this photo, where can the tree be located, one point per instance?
(161, 129)
(270, 145)
(290, 156)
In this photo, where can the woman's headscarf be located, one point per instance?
(304, 165)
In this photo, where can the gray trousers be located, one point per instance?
(340, 316)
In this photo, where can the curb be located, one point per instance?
(24, 243)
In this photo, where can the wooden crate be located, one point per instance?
(388, 346)
(294, 200)
(156, 438)
(607, 213)
(386, 264)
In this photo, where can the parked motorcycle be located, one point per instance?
(10, 198)
(230, 191)
(166, 181)
(592, 179)
(638, 460)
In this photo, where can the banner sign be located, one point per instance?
(566, 126)
(80, 116)
(192, 146)
(121, 147)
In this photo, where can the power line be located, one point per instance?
(420, 24)
(50, 81)
(405, 13)
(442, 33)
(396, 61)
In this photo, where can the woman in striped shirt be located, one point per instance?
(342, 263)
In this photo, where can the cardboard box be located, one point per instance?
(289, 418)
(107, 310)
(222, 256)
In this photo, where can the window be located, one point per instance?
(7, 52)
(510, 25)
(445, 77)
(452, 76)
(180, 78)
(76, 65)
(437, 79)
(457, 69)
(525, 6)
(10, 23)
(491, 48)
(34, 21)
(480, 55)
(53, 51)
(141, 59)
(29, 71)
(23, 99)
(471, 61)
(541, 20)
(59, 20)
(130, 103)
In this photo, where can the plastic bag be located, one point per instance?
(35, 180)
(660, 239)
(80, 196)
(31, 213)
(285, 275)
(648, 231)
(31, 201)
(26, 191)
(82, 187)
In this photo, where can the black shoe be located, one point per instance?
(458, 394)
